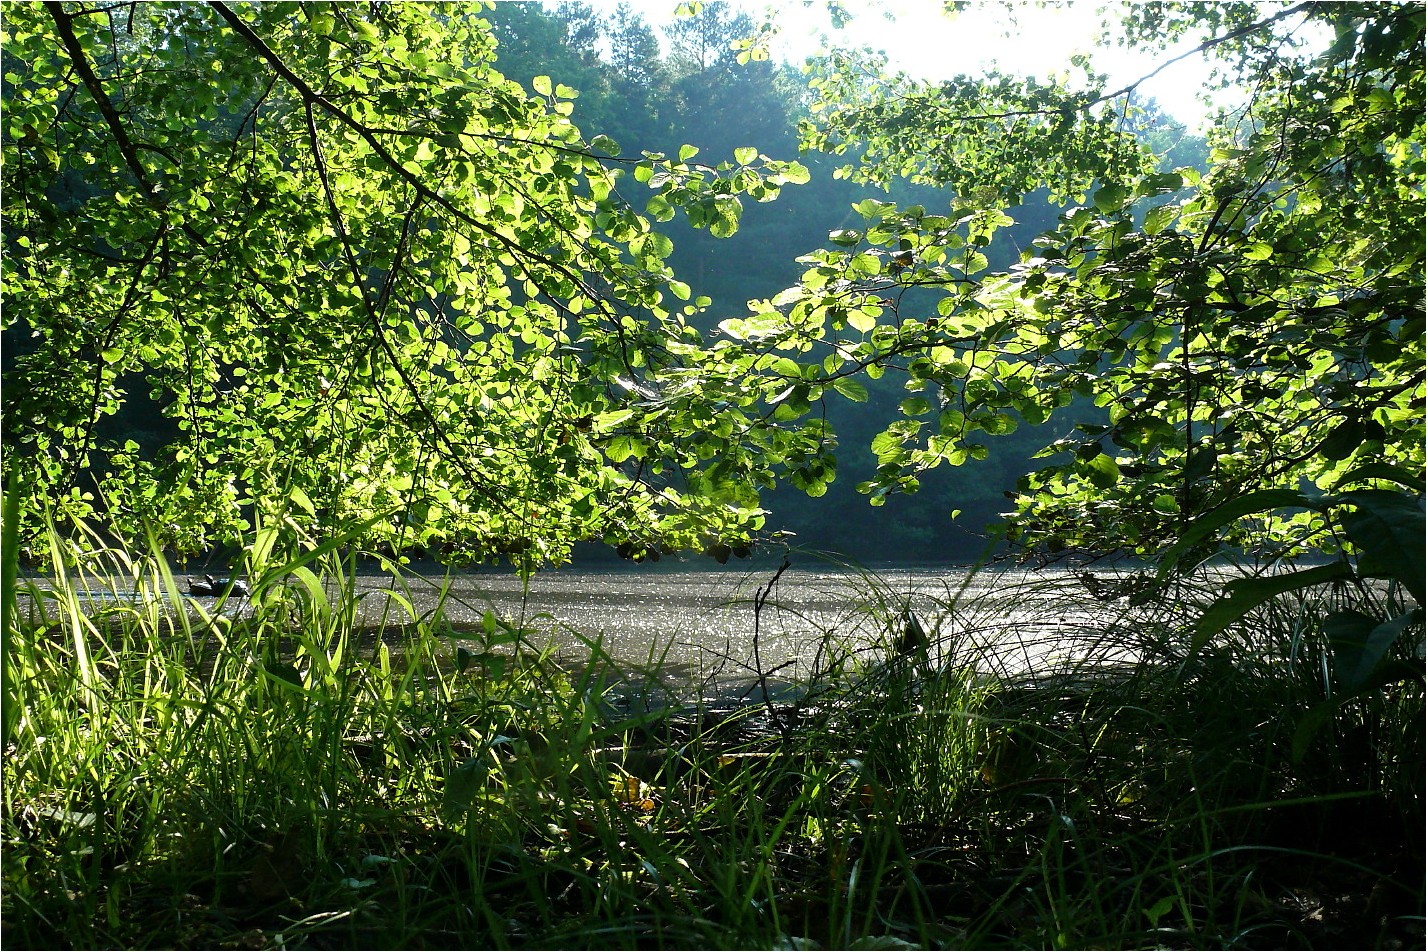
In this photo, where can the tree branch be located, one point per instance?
(374, 309)
(1204, 47)
(64, 26)
(311, 97)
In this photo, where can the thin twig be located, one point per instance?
(759, 599)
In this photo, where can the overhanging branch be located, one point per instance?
(64, 27)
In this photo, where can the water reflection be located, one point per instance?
(741, 630)
(735, 626)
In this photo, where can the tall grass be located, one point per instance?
(299, 767)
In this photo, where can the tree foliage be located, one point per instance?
(1258, 324)
(370, 280)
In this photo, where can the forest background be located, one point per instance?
(415, 302)
(696, 88)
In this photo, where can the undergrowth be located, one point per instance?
(1028, 768)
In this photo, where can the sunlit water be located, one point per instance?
(735, 623)
(714, 629)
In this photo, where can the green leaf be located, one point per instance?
(659, 208)
(542, 85)
(1244, 595)
(1166, 504)
(1200, 462)
(462, 786)
(745, 154)
(1264, 500)
(624, 447)
(859, 320)
(1111, 198)
(609, 420)
(851, 389)
(728, 211)
(1346, 437)
(1160, 183)
(603, 143)
(795, 173)
(1390, 532)
(1386, 472)
(1158, 911)
(1103, 471)
(283, 674)
(871, 208)
(1159, 218)
(300, 499)
(1361, 642)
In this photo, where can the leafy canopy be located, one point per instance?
(371, 281)
(1208, 332)
(367, 280)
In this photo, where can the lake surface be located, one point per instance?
(711, 630)
(702, 629)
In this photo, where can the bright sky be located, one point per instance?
(923, 42)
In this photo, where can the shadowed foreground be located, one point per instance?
(296, 774)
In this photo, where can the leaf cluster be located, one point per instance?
(368, 279)
(1209, 332)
